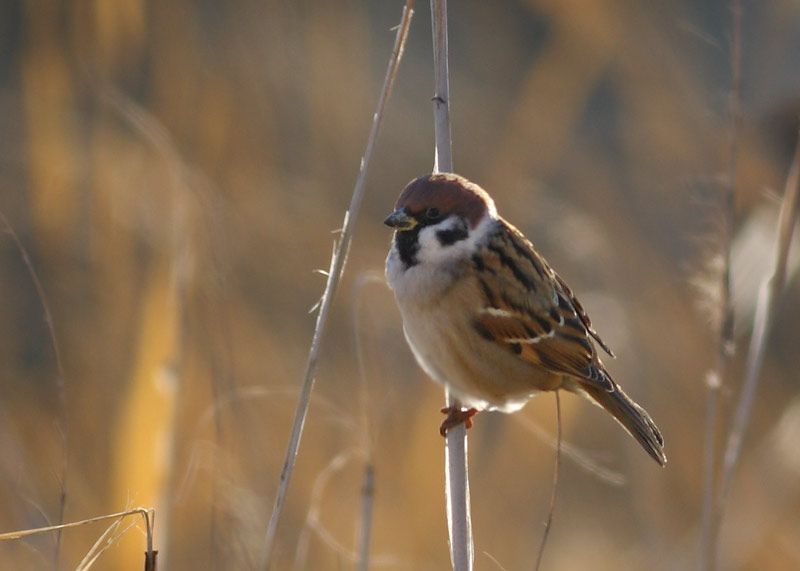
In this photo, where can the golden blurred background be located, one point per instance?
(175, 172)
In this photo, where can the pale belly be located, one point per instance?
(479, 373)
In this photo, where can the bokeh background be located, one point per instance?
(176, 170)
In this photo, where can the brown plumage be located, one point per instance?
(486, 315)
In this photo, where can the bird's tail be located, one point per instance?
(632, 417)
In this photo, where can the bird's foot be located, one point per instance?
(456, 416)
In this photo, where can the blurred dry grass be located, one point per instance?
(175, 170)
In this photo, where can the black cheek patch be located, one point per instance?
(408, 245)
(453, 235)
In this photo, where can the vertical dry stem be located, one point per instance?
(364, 529)
(726, 345)
(443, 152)
(770, 292)
(556, 469)
(336, 269)
(459, 523)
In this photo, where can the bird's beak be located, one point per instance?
(400, 220)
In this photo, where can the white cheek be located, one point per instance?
(426, 278)
(431, 251)
(394, 267)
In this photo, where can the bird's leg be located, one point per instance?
(456, 416)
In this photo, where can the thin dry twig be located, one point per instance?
(459, 523)
(556, 467)
(337, 265)
(769, 295)
(727, 344)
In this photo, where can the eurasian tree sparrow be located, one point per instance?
(486, 315)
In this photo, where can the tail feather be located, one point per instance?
(632, 417)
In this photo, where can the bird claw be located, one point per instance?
(456, 416)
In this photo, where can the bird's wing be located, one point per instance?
(528, 308)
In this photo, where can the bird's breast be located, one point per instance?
(445, 343)
(421, 283)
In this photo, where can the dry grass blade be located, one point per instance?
(579, 457)
(459, 523)
(771, 289)
(104, 542)
(147, 514)
(336, 269)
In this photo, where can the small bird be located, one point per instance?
(485, 314)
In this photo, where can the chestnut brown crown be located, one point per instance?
(448, 193)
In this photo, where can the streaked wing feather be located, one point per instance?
(584, 317)
(529, 308)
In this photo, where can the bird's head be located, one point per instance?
(438, 217)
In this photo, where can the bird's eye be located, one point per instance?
(432, 213)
